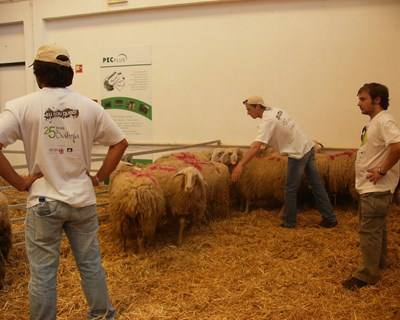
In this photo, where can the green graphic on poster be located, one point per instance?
(128, 104)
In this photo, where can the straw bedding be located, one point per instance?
(241, 267)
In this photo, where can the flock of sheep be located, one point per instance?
(189, 188)
(192, 188)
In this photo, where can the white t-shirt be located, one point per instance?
(377, 135)
(279, 131)
(58, 128)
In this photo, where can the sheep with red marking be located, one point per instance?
(216, 176)
(184, 192)
(136, 206)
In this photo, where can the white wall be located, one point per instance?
(308, 57)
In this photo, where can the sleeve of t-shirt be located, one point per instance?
(390, 132)
(9, 128)
(108, 133)
(265, 131)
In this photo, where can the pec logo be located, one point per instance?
(108, 59)
(121, 58)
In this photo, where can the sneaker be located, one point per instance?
(354, 283)
(283, 225)
(328, 224)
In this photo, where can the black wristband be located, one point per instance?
(380, 172)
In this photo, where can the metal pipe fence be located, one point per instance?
(100, 157)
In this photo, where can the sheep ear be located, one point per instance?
(201, 177)
(178, 174)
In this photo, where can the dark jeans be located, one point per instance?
(295, 170)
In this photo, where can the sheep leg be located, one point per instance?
(124, 243)
(247, 206)
(140, 243)
(282, 211)
(2, 270)
(123, 235)
(181, 227)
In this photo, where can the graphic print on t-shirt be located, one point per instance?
(61, 127)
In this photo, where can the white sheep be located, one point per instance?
(5, 237)
(216, 176)
(136, 206)
(185, 194)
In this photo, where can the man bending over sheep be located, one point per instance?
(279, 131)
(58, 128)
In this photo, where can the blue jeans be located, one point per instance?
(295, 170)
(44, 225)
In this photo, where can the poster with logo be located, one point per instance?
(126, 90)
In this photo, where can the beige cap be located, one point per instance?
(52, 53)
(254, 100)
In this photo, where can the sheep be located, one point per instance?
(263, 178)
(5, 238)
(216, 176)
(341, 174)
(230, 157)
(184, 192)
(217, 154)
(136, 206)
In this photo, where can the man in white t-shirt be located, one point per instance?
(280, 132)
(377, 175)
(58, 128)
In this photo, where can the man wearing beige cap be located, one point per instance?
(58, 128)
(280, 132)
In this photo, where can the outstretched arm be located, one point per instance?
(114, 155)
(254, 148)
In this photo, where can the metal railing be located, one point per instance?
(100, 157)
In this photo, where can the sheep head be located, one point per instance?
(217, 154)
(231, 156)
(191, 176)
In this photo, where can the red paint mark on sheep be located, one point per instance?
(160, 167)
(348, 153)
(190, 159)
(140, 174)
